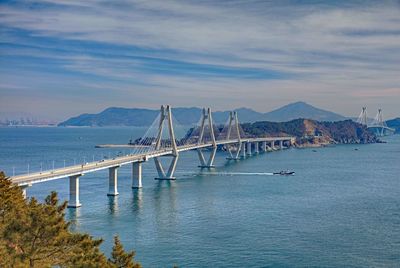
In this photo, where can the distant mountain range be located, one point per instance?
(115, 116)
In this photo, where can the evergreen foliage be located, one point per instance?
(345, 131)
(120, 258)
(34, 234)
(394, 123)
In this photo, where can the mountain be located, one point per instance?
(394, 123)
(244, 114)
(301, 110)
(116, 116)
(189, 116)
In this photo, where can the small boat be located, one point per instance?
(283, 172)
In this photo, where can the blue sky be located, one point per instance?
(60, 58)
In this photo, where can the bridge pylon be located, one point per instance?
(379, 126)
(362, 118)
(206, 119)
(234, 123)
(378, 121)
(166, 117)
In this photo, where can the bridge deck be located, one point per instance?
(382, 127)
(28, 179)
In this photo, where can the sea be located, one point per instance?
(340, 209)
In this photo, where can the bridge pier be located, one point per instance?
(256, 147)
(171, 170)
(273, 145)
(113, 181)
(264, 146)
(24, 188)
(236, 154)
(137, 175)
(281, 145)
(292, 142)
(243, 150)
(210, 162)
(74, 191)
(249, 148)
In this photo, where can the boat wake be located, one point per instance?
(238, 173)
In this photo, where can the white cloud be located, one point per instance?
(350, 50)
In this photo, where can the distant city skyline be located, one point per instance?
(62, 58)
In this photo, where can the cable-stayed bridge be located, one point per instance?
(161, 140)
(378, 125)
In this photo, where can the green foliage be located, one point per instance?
(12, 206)
(268, 129)
(394, 123)
(120, 258)
(34, 234)
(339, 131)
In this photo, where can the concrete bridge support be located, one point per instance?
(74, 191)
(273, 145)
(256, 147)
(293, 142)
(24, 188)
(264, 146)
(137, 175)
(201, 158)
(281, 145)
(113, 181)
(243, 148)
(169, 175)
(212, 157)
(210, 162)
(249, 148)
(234, 154)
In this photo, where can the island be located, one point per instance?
(311, 133)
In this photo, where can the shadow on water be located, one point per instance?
(113, 205)
(165, 200)
(73, 215)
(137, 200)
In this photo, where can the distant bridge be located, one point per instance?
(156, 143)
(378, 125)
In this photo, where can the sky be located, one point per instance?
(61, 58)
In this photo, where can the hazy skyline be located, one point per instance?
(60, 58)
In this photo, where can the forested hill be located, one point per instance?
(394, 123)
(310, 131)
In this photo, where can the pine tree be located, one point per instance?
(12, 205)
(120, 258)
(34, 234)
(40, 237)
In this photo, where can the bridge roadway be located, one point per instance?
(381, 130)
(78, 170)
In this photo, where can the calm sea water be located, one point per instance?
(341, 209)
